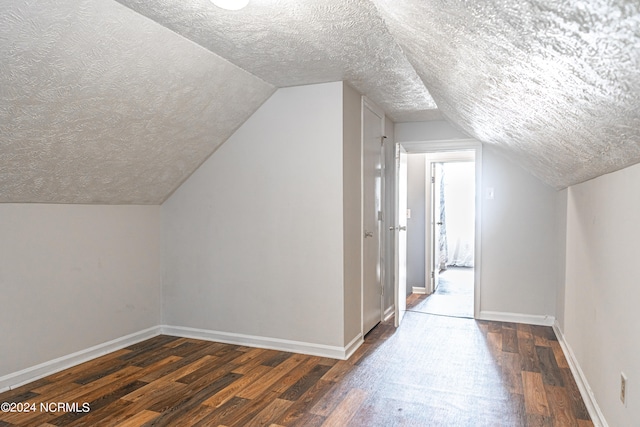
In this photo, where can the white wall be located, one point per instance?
(601, 323)
(253, 241)
(74, 276)
(519, 267)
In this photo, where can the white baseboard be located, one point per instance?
(389, 312)
(334, 352)
(531, 319)
(583, 385)
(16, 379)
(351, 348)
(419, 290)
(33, 373)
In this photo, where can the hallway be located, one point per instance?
(453, 297)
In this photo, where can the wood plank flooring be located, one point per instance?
(433, 371)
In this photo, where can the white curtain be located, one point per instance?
(459, 201)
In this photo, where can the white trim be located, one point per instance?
(433, 147)
(477, 262)
(16, 379)
(379, 112)
(462, 155)
(389, 312)
(531, 319)
(421, 290)
(362, 107)
(366, 102)
(33, 373)
(440, 145)
(334, 352)
(581, 380)
(351, 348)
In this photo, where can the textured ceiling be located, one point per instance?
(101, 105)
(554, 84)
(294, 42)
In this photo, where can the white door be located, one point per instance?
(373, 122)
(401, 235)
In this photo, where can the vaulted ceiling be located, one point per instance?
(107, 102)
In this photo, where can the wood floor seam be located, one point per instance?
(432, 371)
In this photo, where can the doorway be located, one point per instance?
(455, 278)
(449, 234)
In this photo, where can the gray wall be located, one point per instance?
(416, 224)
(561, 242)
(75, 276)
(264, 239)
(519, 246)
(253, 241)
(601, 322)
(351, 201)
(519, 265)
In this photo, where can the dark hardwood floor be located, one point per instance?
(433, 371)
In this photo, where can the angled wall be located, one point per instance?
(600, 321)
(254, 241)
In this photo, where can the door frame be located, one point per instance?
(431, 158)
(444, 146)
(367, 103)
(400, 235)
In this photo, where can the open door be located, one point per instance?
(401, 235)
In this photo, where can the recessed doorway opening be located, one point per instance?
(447, 235)
(415, 164)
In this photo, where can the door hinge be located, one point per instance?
(433, 179)
(433, 275)
(379, 215)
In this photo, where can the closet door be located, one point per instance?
(372, 137)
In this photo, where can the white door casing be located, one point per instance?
(400, 259)
(372, 137)
(435, 226)
(463, 153)
(442, 147)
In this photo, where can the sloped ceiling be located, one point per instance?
(294, 42)
(98, 104)
(102, 103)
(554, 84)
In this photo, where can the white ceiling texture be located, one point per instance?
(107, 102)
